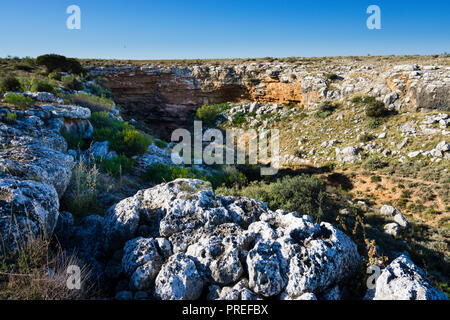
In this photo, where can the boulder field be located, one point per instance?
(179, 241)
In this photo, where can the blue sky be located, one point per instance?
(156, 29)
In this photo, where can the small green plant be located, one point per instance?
(376, 178)
(373, 123)
(82, 192)
(11, 118)
(19, 100)
(332, 76)
(239, 119)
(55, 76)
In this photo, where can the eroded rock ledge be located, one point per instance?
(164, 96)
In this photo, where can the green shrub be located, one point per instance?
(43, 86)
(10, 83)
(74, 142)
(104, 119)
(94, 103)
(54, 62)
(55, 76)
(102, 134)
(374, 163)
(129, 142)
(375, 179)
(72, 83)
(373, 123)
(117, 166)
(160, 172)
(374, 108)
(209, 114)
(325, 109)
(19, 100)
(303, 194)
(357, 99)
(123, 137)
(160, 144)
(239, 119)
(99, 91)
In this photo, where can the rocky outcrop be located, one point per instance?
(403, 280)
(165, 95)
(179, 241)
(27, 209)
(34, 170)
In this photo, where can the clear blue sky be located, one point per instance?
(174, 29)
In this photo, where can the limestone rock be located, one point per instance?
(179, 279)
(403, 280)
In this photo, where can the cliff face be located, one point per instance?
(164, 96)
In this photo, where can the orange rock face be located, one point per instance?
(165, 101)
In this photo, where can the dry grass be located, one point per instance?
(39, 272)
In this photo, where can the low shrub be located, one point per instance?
(239, 119)
(43, 86)
(374, 108)
(375, 179)
(54, 62)
(72, 83)
(332, 76)
(160, 143)
(117, 166)
(373, 123)
(55, 76)
(123, 137)
(374, 163)
(94, 103)
(10, 83)
(160, 172)
(99, 91)
(19, 100)
(129, 142)
(325, 109)
(209, 114)
(303, 194)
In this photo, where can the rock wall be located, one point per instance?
(164, 96)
